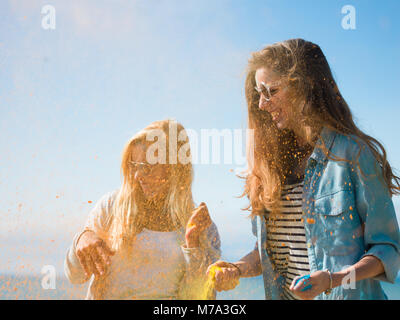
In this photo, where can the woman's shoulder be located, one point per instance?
(358, 153)
(100, 216)
(349, 146)
(106, 202)
(109, 196)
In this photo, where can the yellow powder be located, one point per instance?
(210, 283)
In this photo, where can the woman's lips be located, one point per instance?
(150, 186)
(275, 114)
(149, 191)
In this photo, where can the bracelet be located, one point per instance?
(234, 265)
(329, 290)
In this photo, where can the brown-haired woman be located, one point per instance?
(320, 189)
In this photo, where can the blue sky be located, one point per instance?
(71, 97)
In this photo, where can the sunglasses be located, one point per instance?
(145, 168)
(268, 91)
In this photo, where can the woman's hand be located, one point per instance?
(199, 221)
(319, 281)
(93, 253)
(226, 276)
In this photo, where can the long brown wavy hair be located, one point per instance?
(315, 102)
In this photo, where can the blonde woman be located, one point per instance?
(147, 240)
(320, 189)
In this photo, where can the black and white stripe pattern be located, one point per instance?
(286, 240)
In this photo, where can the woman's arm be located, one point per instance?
(78, 261)
(194, 282)
(367, 267)
(201, 248)
(227, 274)
(376, 210)
(250, 265)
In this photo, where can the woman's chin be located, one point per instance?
(150, 195)
(281, 124)
(154, 192)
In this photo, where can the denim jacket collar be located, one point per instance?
(328, 136)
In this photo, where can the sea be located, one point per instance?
(30, 287)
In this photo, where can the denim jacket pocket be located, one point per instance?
(339, 230)
(335, 204)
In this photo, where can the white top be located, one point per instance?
(155, 271)
(161, 266)
(286, 239)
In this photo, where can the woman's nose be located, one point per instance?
(262, 103)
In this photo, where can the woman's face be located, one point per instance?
(152, 178)
(272, 88)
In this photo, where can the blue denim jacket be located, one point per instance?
(346, 216)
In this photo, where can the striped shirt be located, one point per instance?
(286, 240)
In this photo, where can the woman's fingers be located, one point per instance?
(294, 282)
(199, 221)
(93, 254)
(99, 261)
(84, 263)
(200, 217)
(101, 255)
(204, 215)
(217, 264)
(225, 276)
(106, 249)
(225, 280)
(303, 283)
(94, 259)
(93, 266)
(105, 254)
(301, 286)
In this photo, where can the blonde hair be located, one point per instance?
(126, 218)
